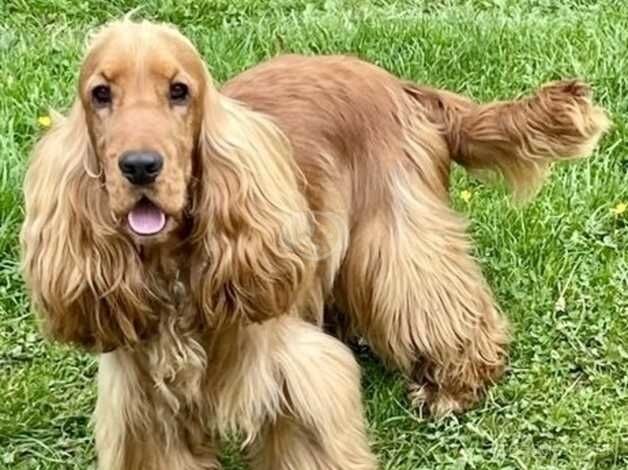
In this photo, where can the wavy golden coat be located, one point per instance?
(304, 183)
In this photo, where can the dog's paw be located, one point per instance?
(418, 396)
(426, 400)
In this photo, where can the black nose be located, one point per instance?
(141, 167)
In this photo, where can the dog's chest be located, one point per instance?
(175, 358)
(196, 372)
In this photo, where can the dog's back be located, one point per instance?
(346, 120)
(359, 115)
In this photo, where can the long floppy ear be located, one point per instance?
(84, 278)
(253, 231)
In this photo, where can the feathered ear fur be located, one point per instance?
(84, 277)
(253, 232)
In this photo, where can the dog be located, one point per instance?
(194, 238)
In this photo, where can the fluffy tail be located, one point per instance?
(519, 139)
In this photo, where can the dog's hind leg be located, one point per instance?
(412, 288)
(409, 280)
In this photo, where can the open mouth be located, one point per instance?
(146, 218)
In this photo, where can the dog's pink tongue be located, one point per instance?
(146, 218)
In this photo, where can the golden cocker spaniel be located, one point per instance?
(195, 237)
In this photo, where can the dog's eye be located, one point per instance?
(179, 93)
(101, 95)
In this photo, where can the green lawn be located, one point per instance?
(559, 266)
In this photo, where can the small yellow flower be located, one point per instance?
(44, 121)
(465, 195)
(620, 208)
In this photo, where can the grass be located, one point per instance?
(559, 266)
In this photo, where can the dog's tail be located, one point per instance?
(519, 139)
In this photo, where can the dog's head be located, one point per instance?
(152, 157)
(143, 89)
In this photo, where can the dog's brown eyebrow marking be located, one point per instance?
(108, 72)
(106, 76)
(173, 75)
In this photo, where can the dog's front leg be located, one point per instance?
(320, 424)
(134, 433)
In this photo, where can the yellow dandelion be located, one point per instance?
(620, 208)
(465, 195)
(44, 121)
